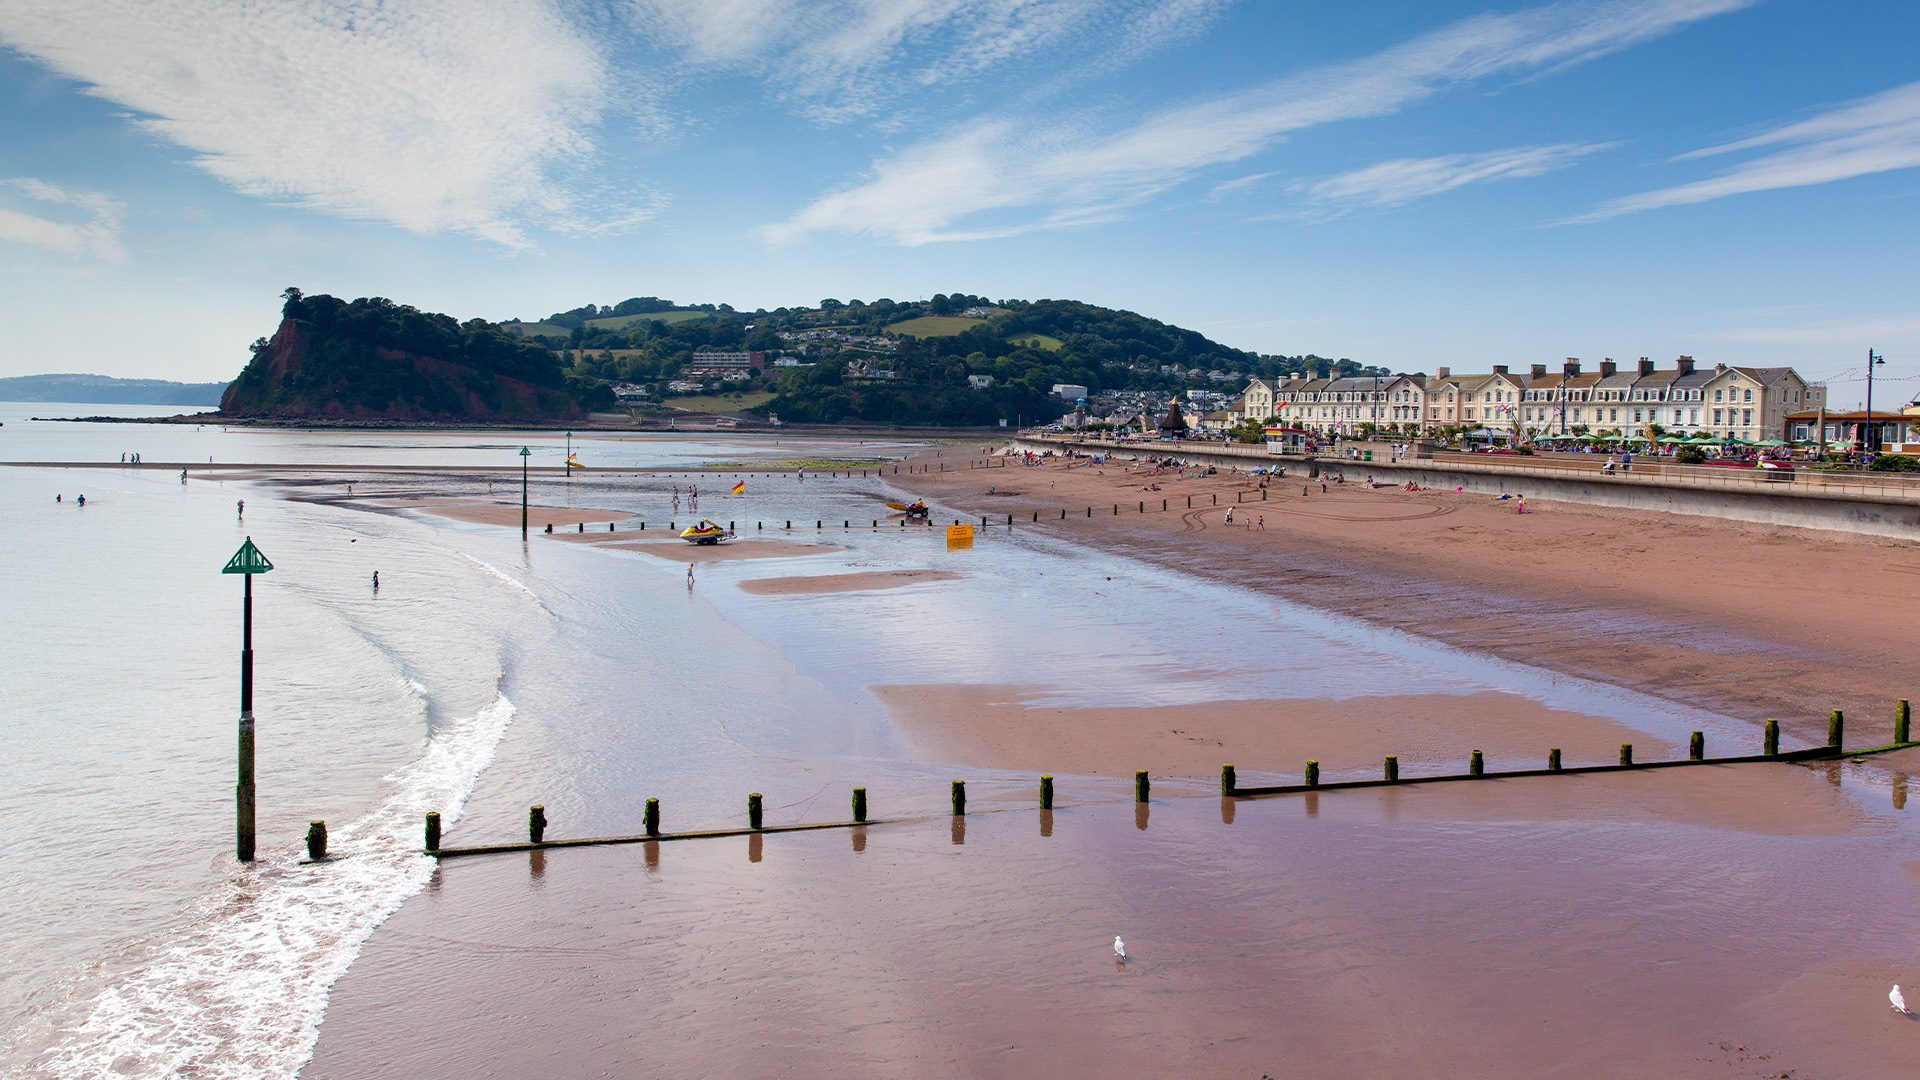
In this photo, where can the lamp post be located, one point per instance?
(1867, 433)
(524, 454)
(247, 561)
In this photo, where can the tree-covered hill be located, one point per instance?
(375, 359)
(956, 359)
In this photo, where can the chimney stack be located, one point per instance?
(1539, 371)
(1646, 367)
(1572, 366)
(1607, 368)
(1686, 365)
(1439, 373)
(1499, 369)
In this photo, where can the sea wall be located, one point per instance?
(1776, 503)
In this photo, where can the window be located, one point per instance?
(1696, 416)
(1636, 416)
(1747, 417)
(1615, 412)
(1716, 395)
(1746, 395)
(1716, 417)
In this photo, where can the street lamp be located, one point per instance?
(1867, 433)
(247, 561)
(524, 454)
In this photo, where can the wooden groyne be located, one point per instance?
(1230, 788)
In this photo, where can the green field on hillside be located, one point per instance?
(935, 326)
(720, 403)
(619, 322)
(1039, 341)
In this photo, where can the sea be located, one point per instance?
(486, 674)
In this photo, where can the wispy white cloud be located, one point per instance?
(1396, 183)
(1027, 177)
(96, 233)
(1871, 135)
(839, 60)
(432, 115)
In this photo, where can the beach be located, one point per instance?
(1711, 921)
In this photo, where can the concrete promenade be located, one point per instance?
(1873, 504)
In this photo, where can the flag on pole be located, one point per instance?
(740, 488)
(573, 462)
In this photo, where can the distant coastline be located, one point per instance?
(106, 390)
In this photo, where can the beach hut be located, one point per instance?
(1173, 424)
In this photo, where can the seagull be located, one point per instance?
(1120, 951)
(1899, 1000)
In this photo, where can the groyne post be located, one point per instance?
(1697, 746)
(753, 811)
(959, 798)
(1553, 759)
(1902, 714)
(317, 841)
(1141, 785)
(1770, 743)
(859, 804)
(1313, 774)
(1478, 767)
(1626, 753)
(536, 824)
(1836, 725)
(1227, 780)
(433, 832)
(652, 817)
(1046, 793)
(1392, 772)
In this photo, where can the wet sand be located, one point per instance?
(681, 551)
(1748, 620)
(1388, 935)
(839, 583)
(492, 513)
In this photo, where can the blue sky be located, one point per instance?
(1413, 184)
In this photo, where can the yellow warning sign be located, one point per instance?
(959, 536)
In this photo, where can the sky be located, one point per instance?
(1410, 184)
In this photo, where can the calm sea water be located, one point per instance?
(486, 675)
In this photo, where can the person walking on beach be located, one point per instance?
(689, 576)
(1229, 515)
(243, 508)
(1262, 523)
(376, 581)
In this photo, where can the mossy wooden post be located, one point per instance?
(536, 824)
(959, 798)
(1902, 713)
(652, 818)
(1392, 773)
(433, 832)
(1046, 793)
(317, 841)
(1770, 745)
(1228, 781)
(1478, 767)
(753, 810)
(1626, 754)
(859, 804)
(1313, 774)
(1697, 746)
(1553, 759)
(1141, 785)
(1836, 726)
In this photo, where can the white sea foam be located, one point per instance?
(502, 575)
(240, 992)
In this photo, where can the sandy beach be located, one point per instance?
(1750, 620)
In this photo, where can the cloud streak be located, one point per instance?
(432, 115)
(995, 177)
(1398, 182)
(1873, 134)
(97, 236)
